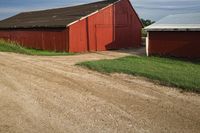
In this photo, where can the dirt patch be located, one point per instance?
(50, 94)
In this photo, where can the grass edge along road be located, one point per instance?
(169, 72)
(8, 46)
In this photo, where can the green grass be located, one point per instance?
(6, 46)
(170, 72)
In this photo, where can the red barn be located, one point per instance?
(175, 35)
(103, 25)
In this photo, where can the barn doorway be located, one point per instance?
(104, 37)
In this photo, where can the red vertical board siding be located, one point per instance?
(178, 44)
(114, 27)
(104, 37)
(78, 37)
(100, 28)
(127, 25)
(123, 25)
(44, 39)
(67, 40)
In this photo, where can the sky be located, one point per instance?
(147, 9)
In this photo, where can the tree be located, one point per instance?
(147, 22)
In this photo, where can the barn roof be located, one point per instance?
(60, 17)
(179, 22)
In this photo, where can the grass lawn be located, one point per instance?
(16, 48)
(170, 72)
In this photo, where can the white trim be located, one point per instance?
(81, 18)
(173, 29)
(147, 44)
(92, 13)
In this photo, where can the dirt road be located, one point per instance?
(51, 95)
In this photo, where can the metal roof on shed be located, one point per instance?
(179, 22)
(59, 18)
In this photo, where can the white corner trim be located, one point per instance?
(147, 44)
(92, 13)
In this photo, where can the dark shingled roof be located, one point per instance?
(52, 18)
